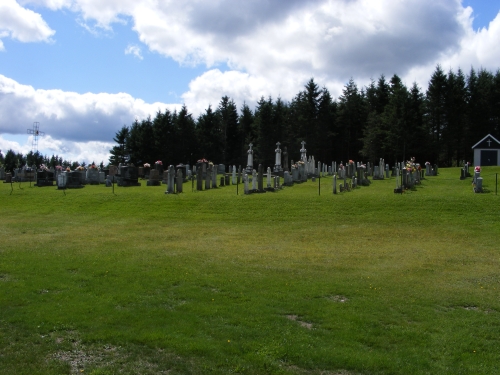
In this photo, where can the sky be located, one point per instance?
(83, 69)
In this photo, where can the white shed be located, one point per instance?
(487, 151)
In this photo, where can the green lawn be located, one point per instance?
(290, 282)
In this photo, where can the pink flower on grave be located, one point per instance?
(93, 166)
(202, 160)
(427, 163)
(59, 168)
(147, 165)
(351, 162)
(43, 167)
(477, 168)
(158, 162)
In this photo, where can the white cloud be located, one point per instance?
(69, 115)
(22, 24)
(134, 50)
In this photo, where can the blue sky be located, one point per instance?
(83, 69)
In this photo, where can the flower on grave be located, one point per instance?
(68, 169)
(210, 164)
(300, 162)
(147, 165)
(477, 168)
(202, 160)
(363, 166)
(80, 168)
(351, 162)
(93, 166)
(427, 163)
(43, 167)
(59, 168)
(341, 166)
(158, 162)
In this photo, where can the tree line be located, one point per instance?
(384, 119)
(12, 160)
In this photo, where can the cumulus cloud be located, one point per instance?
(69, 115)
(22, 24)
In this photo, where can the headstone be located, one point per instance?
(61, 180)
(249, 167)
(171, 180)
(199, 180)
(93, 176)
(208, 176)
(214, 177)
(261, 178)
(334, 184)
(179, 180)
(221, 169)
(245, 183)
(479, 185)
(233, 176)
(268, 177)
(303, 152)
(277, 164)
(154, 178)
(254, 180)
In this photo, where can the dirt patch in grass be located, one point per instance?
(295, 318)
(338, 298)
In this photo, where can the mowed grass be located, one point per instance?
(291, 282)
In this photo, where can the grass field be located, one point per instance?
(291, 282)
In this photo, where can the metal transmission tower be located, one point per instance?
(36, 133)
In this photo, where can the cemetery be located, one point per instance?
(300, 267)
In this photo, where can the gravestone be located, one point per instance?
(303, 152)
(171, 180)
(249, 167)
(233, 177)
(92, 176)
(199, 180)
(62, 179)
(260, 178)
(179, 180)
(208, 177)
(277, 161)
(154, 178)
(214, 177)
(245, 184)
(478, 187)
(254, 180)
(127, 176)
(113, 170)
(73, 180)
(221, 169)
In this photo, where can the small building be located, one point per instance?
(487, 151)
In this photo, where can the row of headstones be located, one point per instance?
(272, 181)
(477, 180)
